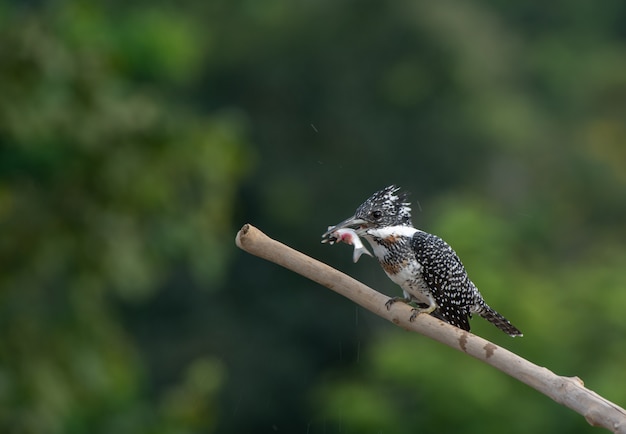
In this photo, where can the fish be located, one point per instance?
(348, 236)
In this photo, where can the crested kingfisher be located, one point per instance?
(429, 272)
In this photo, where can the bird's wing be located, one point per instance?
(445, 275)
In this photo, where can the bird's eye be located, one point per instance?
(376, 215)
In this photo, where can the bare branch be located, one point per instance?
(568, 391)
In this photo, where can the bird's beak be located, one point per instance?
(351, 222)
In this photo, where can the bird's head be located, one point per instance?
(384, 208)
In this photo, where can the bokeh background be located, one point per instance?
(136, 138)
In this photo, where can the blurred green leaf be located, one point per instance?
(107, 190)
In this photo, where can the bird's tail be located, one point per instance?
(499, 321)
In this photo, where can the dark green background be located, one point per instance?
(137, 137)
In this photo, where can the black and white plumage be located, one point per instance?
(426, 268)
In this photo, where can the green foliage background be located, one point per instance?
(135, 139)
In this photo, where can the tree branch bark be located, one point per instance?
(568, 391)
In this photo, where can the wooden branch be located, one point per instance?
(568, 391)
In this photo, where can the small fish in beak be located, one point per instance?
(348, 236)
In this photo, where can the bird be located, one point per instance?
(427, 269)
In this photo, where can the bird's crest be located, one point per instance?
(387, 207)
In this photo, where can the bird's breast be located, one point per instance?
(397, 259)
(392, 248)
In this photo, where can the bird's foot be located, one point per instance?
(417, 310)
(392, 300)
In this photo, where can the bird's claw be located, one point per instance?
(392, 300)
(417, 310)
